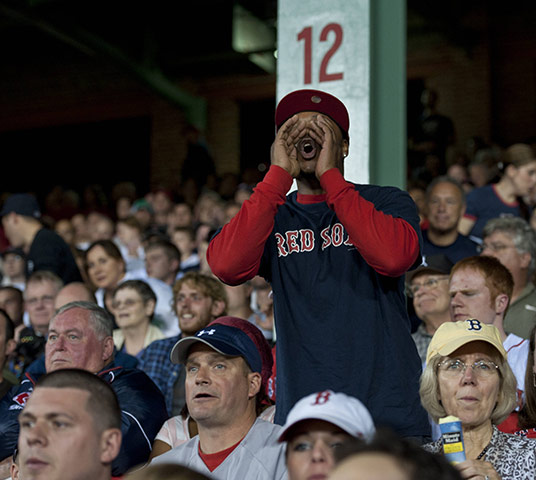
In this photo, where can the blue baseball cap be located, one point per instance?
(22, 204)
(225, 339)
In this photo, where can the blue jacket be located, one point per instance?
(143, 411)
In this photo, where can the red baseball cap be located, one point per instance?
(313, 101)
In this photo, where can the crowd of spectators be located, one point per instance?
(137, 261)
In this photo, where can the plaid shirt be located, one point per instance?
(422, 339)
(155, 362)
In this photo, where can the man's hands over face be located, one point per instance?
(284, 152)
(319, 128)
(328, 135)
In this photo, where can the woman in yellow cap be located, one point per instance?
(467, 376)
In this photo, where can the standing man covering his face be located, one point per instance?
(335, 254)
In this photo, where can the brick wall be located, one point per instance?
(460, 76)
(513, 44)
(488, 89)
(90, 92)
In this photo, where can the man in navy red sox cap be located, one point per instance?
(227, 366)
(335, 254)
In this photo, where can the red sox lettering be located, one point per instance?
(303, 240)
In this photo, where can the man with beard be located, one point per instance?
(198, 299)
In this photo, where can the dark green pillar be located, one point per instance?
(388, 93)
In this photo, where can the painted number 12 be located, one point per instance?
(306, 35)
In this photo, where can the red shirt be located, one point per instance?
(511, 425)
(214, 460)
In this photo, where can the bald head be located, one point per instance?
(74, 292)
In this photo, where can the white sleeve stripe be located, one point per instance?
(141, 428)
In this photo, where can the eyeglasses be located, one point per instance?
(129, 302)
(456, 368)
(46, 299)
(494, 247)
(432, 282)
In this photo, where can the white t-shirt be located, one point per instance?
(258, 456)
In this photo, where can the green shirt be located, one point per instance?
(521, 315)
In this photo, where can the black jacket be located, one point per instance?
(143, 411)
